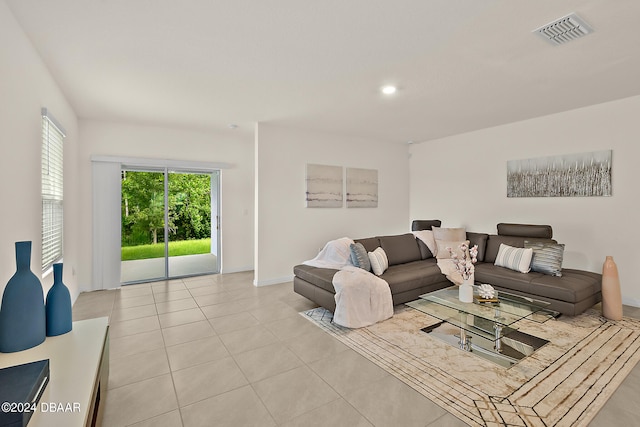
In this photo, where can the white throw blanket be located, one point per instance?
(362, 298)
(448, 268)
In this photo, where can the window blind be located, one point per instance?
(52, 190)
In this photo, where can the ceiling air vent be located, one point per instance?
(564, 30)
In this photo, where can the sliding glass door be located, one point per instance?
(169, 224)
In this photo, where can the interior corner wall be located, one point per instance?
(467, 184)
(26, 86)
(101, 138)
(286, 232)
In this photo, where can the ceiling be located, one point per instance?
(460, 65)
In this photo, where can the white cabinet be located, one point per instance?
(78, 375)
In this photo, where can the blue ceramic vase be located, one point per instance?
(58, 306)
(22, 316)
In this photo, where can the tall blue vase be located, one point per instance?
(58, 305)
(22, 316)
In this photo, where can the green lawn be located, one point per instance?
(179, 248)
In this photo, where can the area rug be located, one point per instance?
(564, 383)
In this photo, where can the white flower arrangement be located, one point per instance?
(464, 264)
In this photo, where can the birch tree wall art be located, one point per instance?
(573, 175)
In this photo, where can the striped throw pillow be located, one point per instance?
(359, 256)
(379, 261)
(547, 257)
(518, 259)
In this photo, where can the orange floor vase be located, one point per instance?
(611, 297)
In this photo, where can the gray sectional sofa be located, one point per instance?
(413, 270)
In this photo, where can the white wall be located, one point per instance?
(25, 87)
(466, 177)
(123, 140)
(287, 232)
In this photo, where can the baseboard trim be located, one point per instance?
(273, 281)
(236, 269)
(631, 301)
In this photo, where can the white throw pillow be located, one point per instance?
(518, 259)
(379, 261)
(426, 236)
(449, 234)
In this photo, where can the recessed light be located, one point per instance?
(388, 90)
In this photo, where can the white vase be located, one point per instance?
(465, 291)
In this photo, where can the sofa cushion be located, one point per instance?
(479, 239)
(572, 287)
(400, 249)
(425, 252)
(413, 275)
(547, 257)
(359, 256)
(518, 259)
(425, 224)
(320, 277)
(426, 237)
(370, 243)
(525, 230)
(379, 261)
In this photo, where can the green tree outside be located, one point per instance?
(143, 209)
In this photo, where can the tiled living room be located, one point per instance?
(433, 101)
(217, 351)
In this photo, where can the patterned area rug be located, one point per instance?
(564, 383)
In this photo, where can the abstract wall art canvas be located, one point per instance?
(573, 175)
(362, 188)
(324, 186)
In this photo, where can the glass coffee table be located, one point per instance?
(489, 330)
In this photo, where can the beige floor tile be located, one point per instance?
(211, 299)
(293, 393)
(248, 339)
(134, 291)
(171, 296)
(347, 370)
(133, 301)
(137, 367)
(120, 314)
(196, 352)
(168, 286)
(139, 401)
(187, 332)
(133, 344)
(335, 413)
(378, 402)
(315, 346)
(206, 289)
(266, 361)
(170, 419)
(240, 407)
(176, 305)
(233, 322)
(223, 309)
(134, 326)
(176, 318)
(207, 380)
(274, 311)
(291, 327)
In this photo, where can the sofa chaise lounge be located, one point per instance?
(413, 270)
